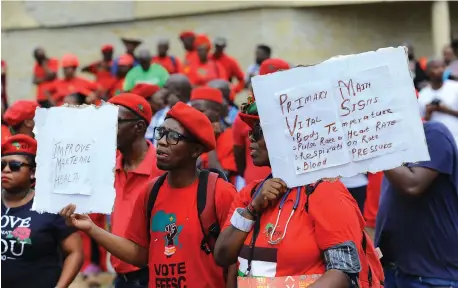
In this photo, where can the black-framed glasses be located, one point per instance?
(14, 165)
(256, 134)
(172, 137)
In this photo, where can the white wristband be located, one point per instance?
(240, 222)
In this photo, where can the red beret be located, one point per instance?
(187, 34)
(107, 48)
(207, 93)
(249, 119)
(134, 103)
(272, 65)
(19, 144)
(70, 60)
(202, 40)
(195, 122)
(20, 111)
(126, 60)
(145, 90)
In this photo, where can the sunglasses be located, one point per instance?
(172, 137)
(15, 166)
(255, 134)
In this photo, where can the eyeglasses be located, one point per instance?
(255, 134)
(15, 166)
(172, 137)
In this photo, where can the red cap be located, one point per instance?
(134, 103)
(202, 40)
(107, 48)
(145, 90)
(187, 34)
(70, 60)
(272, 65)
(20, 111)
(126, 59)
(19, 144)
(195, 122)
(207, 93)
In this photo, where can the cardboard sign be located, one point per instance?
(76, 157)
(348, 115)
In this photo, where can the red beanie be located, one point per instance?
(70, 60)
(134, 103)
(126, 60)
(145, 90)
(207, 93)
(20, 111)
(107, 48)
(195, 122)
(187, 34)
(202, 40)
(272, 65)
(19, 144)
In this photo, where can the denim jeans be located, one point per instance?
(395, 278)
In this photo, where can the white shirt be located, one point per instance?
(448, 95)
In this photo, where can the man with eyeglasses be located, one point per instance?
(135, 166)
(171, 245)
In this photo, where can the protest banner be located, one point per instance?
(348, 115)
(76, 158)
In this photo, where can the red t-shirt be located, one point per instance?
(128, 187)
(176, 210)
(240, 137)
(172, 66)
(39, 71)
(232, 71)
(372, 198)
(200, 74)
(102, 74)
(333, 218)
(116, 87)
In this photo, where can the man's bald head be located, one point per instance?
(179, 88)
(222, 85)
(144, 58)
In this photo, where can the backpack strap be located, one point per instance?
(152, 198)
(206, 210)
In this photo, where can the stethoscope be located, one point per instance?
(282, 203)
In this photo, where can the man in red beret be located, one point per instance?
(171, 245)
(44, 74)
(204, 69)
(19, 117)
(240, 132)
(171, 63)
(209, 101)
(101, 69)
(187, 39)
(135, 166)
(71, 83)
(125, 63)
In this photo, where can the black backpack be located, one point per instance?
(205, 206)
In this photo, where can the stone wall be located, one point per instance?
(300, 35)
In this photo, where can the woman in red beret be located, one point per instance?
(312, 233)
(38, 250)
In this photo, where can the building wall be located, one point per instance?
(300, 34)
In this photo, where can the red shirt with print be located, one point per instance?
(240, 137)
(128, 188)
(39, 72)
(175, 257)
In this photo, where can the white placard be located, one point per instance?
(345, 116)
(76, 158)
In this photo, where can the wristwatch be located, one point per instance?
(240, 222)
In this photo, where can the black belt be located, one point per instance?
(140, 274)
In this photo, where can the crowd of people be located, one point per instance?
(196, 204)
